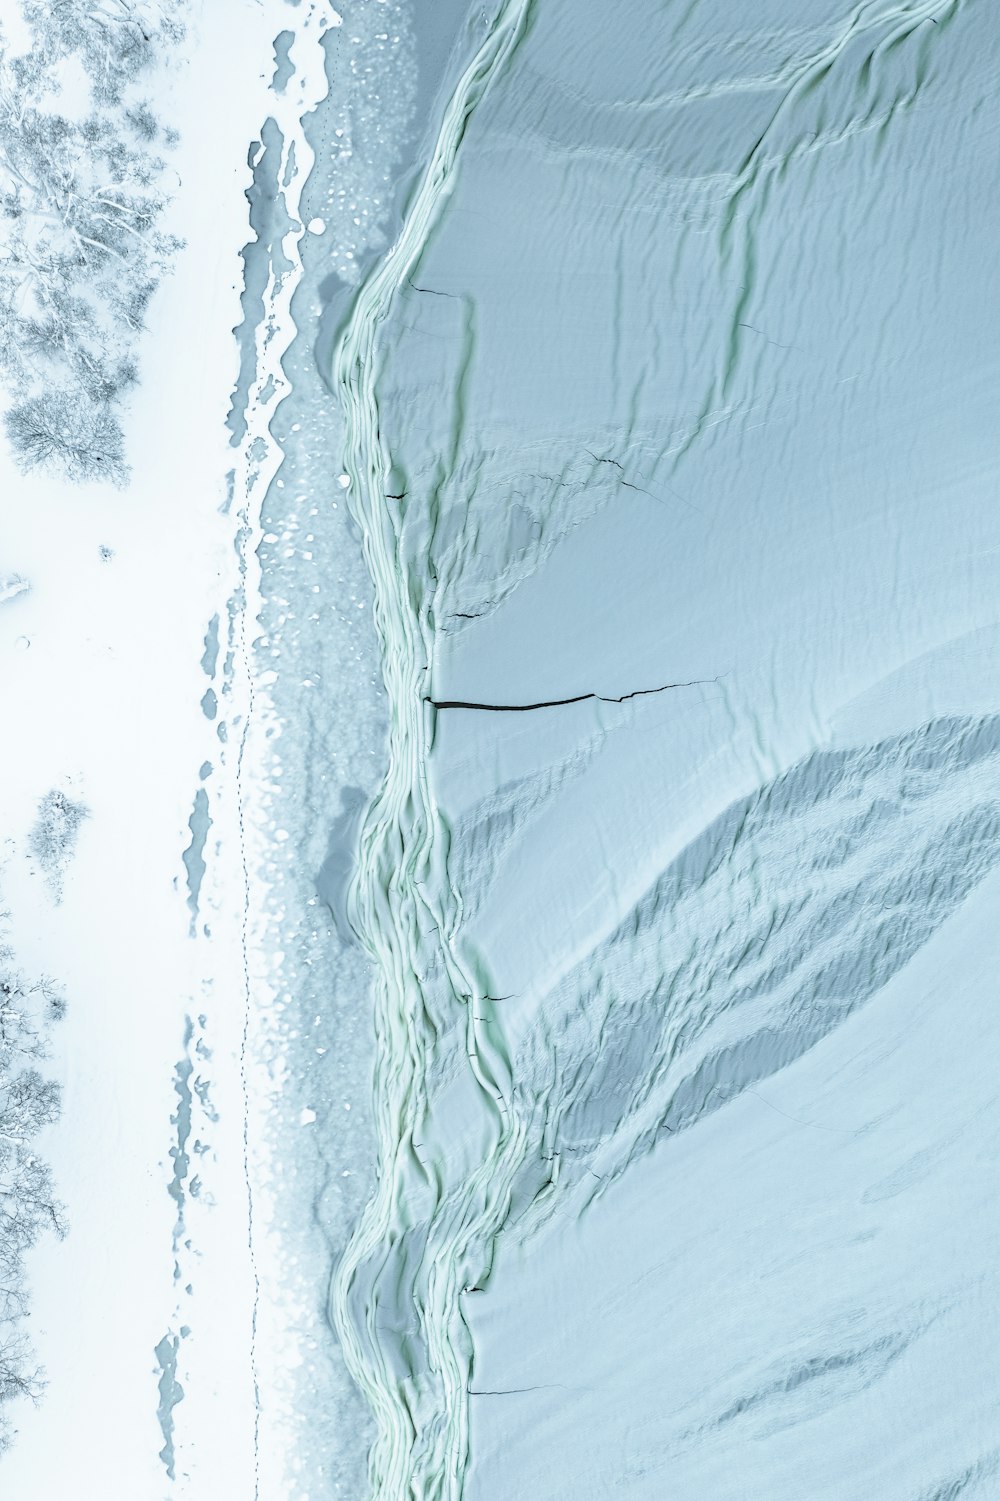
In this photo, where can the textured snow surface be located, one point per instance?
(670, 430)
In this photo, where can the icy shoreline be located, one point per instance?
(428, 1229)
(134, 1311)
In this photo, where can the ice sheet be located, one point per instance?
(670, 434)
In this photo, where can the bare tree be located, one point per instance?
(70, 429)
(19, 1378)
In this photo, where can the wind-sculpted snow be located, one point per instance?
(488, 832)
(787, 913)
(479, 553)
(670, 437)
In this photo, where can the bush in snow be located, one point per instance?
(54, 834)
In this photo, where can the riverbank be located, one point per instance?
(104, 686)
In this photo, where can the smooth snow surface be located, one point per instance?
(670, 431)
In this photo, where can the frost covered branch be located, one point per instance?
(82, 250)
(28, 1206)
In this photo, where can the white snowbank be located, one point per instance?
(101, 698)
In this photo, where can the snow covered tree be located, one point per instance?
(115, 39)
(81, 248)
(28, 1206)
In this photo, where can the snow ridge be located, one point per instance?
(427, 1233)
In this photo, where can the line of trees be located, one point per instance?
(28, 1205)
(82, 195)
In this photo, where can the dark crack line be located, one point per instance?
(625, 483)
(432, 291)
(515, 1391)
(640, 489)
(559, 703)
(813, 1125)
(763, 335)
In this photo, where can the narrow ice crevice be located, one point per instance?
(559, 703)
